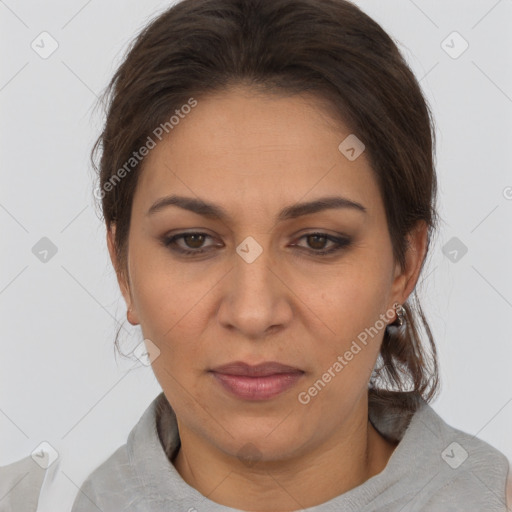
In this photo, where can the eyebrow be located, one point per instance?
(216, 212)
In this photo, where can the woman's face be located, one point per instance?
(255, 287)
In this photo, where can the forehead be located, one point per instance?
(244, 149)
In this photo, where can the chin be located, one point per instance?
(264, 444)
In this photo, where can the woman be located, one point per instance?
(268, 188)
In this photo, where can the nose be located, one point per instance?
(256, 298)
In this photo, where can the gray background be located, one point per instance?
(60, 381)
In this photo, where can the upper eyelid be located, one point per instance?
(334, 239)
(309, 233)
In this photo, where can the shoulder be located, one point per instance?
(21, 483)
(120, 482)
(469, 471)
(107, 485)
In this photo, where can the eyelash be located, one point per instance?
(340, 243)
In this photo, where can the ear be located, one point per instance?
(405, 279)
(122, 277)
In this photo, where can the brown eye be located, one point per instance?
(194, 240)
(316, 241)
(192, 243)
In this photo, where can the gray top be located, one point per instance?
(20, 484)
(434, 468)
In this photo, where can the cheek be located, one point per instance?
(176, 303)
(353, 298)
(352, 306)
(174, 321)
(167, 295)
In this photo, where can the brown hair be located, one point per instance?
(328, 48)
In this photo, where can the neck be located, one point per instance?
(353, 454)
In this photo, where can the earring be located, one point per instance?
(400, 315)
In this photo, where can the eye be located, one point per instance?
(317, 242)
(192, 241)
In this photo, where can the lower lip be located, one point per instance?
(258, 388)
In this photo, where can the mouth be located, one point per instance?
(256, 382)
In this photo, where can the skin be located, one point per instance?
(253, 155)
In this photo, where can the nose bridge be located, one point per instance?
(252, 276)
(252, 268)
(254, 299)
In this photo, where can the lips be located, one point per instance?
(256, 382)
(259, 370)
